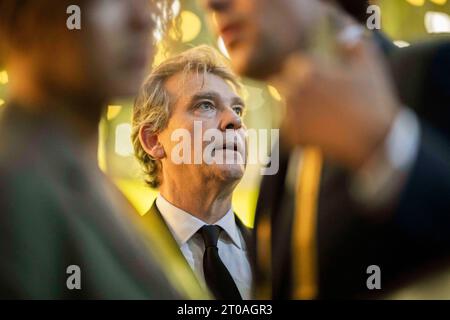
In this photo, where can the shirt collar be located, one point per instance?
(228, 223)
(183, 225)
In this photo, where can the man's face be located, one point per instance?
(120, 40)
(205, 103)
(260, 33)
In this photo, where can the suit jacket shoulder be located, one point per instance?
(422, 75)
(245, 231)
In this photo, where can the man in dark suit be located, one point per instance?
(65, 230)
(372, 192)
(189, 136)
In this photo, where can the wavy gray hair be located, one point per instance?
(152, 107)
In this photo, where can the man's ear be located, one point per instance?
(151, 144)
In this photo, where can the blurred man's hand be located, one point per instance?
(345, 105)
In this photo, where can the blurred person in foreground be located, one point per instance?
(373, 172)
(196, 94)
(65, 230)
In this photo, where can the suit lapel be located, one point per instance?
(154, 211)
(247, 234)
(245, 231)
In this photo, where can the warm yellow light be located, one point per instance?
(139, 194)
(2, 102)
(113, 111)
(4, 77)
(439, 2)
(190, 26)
(274, 93)
(142, 197)
(176, 6)
(160, 56)
(222, 47)
(123, 147)
(101, 151)
(437, 22)
(416, 3)
(214, 21)
(401, 43)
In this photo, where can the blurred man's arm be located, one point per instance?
(382, 176)
(424, 203)
(417, 184)
(410, 173)
(352, 112)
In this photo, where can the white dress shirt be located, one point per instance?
(231, 244)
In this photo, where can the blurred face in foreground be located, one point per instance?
(106, 58)
(259, 34)
(120, 44)
(338, 93)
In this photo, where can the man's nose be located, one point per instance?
(230, 120)
(217, 5)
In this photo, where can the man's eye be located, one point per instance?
(205, 106)
(239, 111)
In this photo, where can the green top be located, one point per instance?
(57, 209)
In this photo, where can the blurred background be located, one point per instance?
(404, 21)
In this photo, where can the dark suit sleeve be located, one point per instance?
(424, 206)
(7, 290)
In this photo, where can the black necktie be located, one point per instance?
(217, 276)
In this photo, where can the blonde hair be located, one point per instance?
(152, 106)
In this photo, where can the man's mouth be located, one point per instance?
(225, 148)
(228, 146)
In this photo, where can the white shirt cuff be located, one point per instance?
(381, 177)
